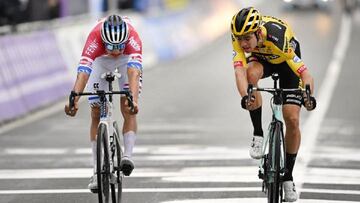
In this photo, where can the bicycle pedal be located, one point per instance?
(261, 175)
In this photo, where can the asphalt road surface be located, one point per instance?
(194, 137)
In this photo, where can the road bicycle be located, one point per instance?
(109, 151)
(273, 163)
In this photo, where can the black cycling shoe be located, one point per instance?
(126, 165)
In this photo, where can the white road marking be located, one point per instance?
(184, 152)
(222, 200)
(173, 190)
(35, 151)
(328, 191)
(226, 172)
(190, 174)
(135, 190)
(249, 200)
(313, 123)
(156, 152)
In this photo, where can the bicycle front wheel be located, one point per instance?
(117, 154)
(103, 164)
(274, 187)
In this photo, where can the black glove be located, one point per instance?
(245, 99)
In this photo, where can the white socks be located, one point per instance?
(129, 142)
(93, 147)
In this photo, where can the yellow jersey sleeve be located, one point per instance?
(294, 61)
(239, 59)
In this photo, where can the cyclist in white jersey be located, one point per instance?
(112, 44)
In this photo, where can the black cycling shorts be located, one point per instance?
(288, 79)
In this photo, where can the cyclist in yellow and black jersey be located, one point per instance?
(278, 45)
(263, 45)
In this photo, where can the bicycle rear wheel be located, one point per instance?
(274, 186)
(117, 154)
(103, 164)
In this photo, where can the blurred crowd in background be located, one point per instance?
(13, 12)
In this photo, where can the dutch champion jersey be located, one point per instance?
(94, 48)
(278, 46)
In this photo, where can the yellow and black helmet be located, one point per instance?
(247, 20)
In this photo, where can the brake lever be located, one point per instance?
(129, 97)
(250, 91)
(72, 99)
(308, 92)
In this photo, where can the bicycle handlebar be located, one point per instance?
(273, 91)
(100, 93)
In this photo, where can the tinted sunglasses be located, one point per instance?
(112, 47)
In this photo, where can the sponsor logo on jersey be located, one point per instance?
(293, 43)
(273, 57)
(273, 38)
(91, 48)
(301, 69)
(268, 57)
(265, 50)
(136, 58)
(85, 61)
(134, 44)
(296, 59)
(276, 25)
(238, 64)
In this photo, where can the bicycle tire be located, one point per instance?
(102, 164)
(274, 188)
(117, 154)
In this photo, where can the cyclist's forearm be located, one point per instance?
(241, 81)
(134, 77)
(307, 79)
(80, 83)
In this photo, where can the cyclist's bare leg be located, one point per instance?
(95, 119)
(254, 74)
(129, 135)
(129, 128)
(291, 115)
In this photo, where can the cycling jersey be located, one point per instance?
(94, 48)
(95, 61)
(279, 45)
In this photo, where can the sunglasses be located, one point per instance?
(112, 47)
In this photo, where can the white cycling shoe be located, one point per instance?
(290, 191)
(93, 183)
(256, 147)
